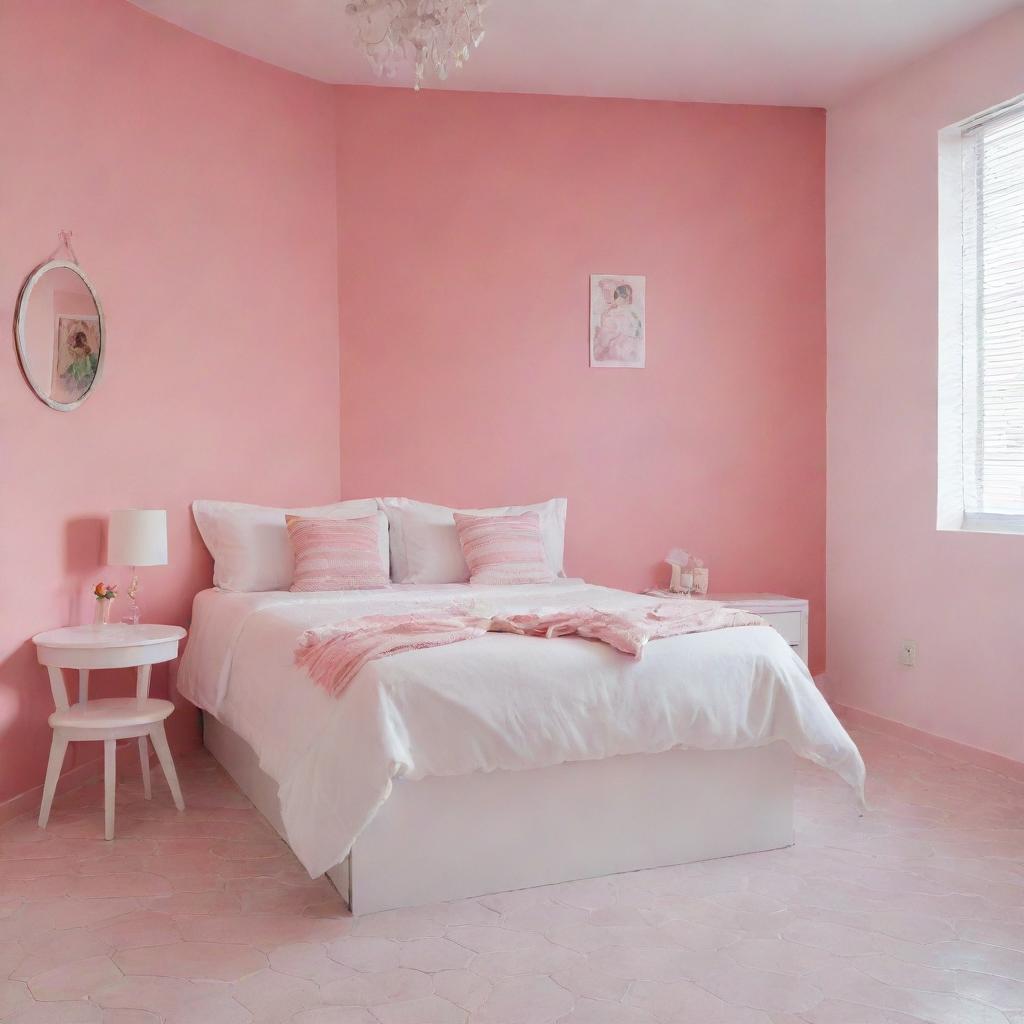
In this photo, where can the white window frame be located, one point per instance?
(956, 418)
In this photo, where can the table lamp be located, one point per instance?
(135, 537)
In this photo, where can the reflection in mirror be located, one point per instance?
(60, 334)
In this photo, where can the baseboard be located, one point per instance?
(83, 774)
(31, 798)
(825, 686)
(952, 749)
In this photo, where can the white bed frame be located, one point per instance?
(440, 839)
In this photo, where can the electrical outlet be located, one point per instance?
(908, 653)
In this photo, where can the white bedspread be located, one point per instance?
(499, 702)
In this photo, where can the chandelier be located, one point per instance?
(430, 33)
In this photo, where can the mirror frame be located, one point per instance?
(21, 313)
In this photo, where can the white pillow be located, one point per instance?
(250, 545)
(425, 544)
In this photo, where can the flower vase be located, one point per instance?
(102, 617)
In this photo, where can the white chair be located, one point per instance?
(109, 719)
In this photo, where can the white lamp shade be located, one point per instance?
(137, 536)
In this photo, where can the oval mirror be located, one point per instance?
(60, 334)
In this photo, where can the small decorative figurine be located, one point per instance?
(104, 594)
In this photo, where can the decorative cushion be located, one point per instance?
(249, 543)
(503, 549)
(425, 545)
(337, 554)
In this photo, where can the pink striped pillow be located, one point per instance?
(337, 554)
(503, 549)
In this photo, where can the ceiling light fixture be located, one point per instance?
(429, 33)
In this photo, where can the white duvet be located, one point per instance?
(499, 702)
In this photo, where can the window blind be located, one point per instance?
(993, 314)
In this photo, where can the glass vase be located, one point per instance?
(700, 580)
(102, 616)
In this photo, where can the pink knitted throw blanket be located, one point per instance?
(333, 655)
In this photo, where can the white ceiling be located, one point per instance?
(794, 52)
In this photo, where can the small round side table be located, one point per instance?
(109, 719)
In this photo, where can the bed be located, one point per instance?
(505, 761)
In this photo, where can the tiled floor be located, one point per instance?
(912, 913)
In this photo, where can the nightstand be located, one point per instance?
(787, 615)
(111, 719)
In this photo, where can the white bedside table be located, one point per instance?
(111, 719)
(787, 615)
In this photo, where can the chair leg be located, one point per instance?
(58, 747)
(147, 788)
(163, 753)
(109, 784)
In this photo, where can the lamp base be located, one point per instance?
(134, 614)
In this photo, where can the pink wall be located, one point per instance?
(468, 227)
(891, 575)
(200, 188)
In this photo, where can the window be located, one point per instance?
(981, 358)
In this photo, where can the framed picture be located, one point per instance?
(618, 320)
(76, 355)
